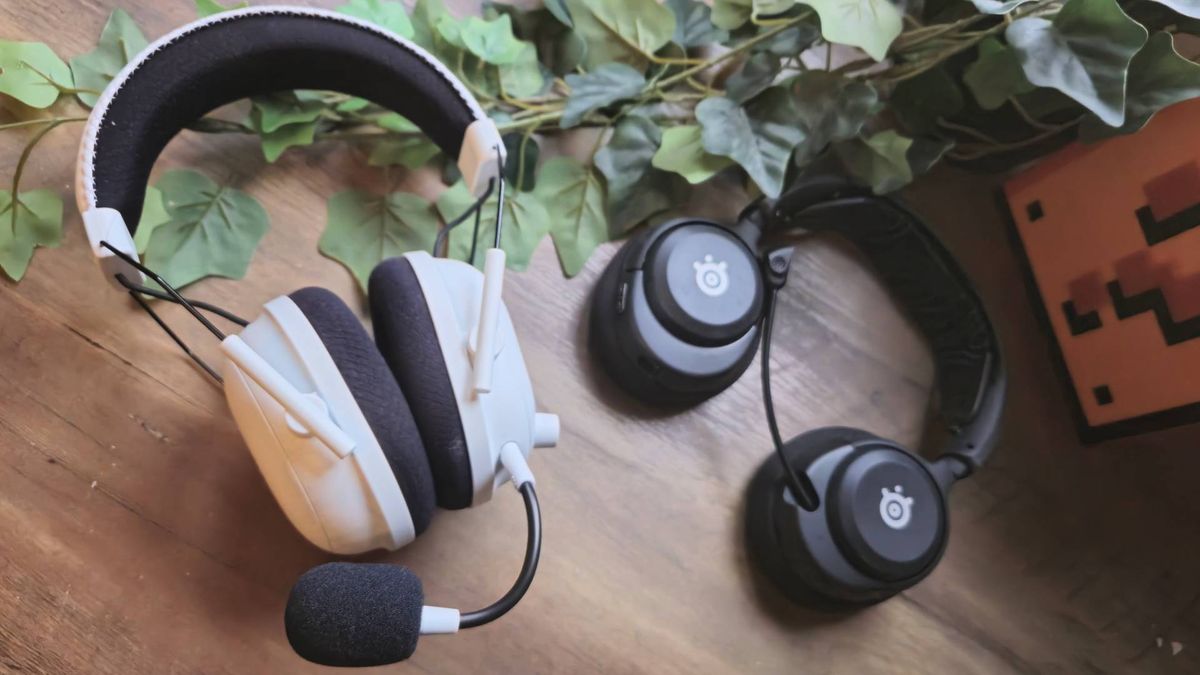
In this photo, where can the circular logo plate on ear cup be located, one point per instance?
(886, 512)
(703, 284)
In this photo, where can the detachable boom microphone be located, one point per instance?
(358, 614)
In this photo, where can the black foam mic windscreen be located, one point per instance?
(355, 614)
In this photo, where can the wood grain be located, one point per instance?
(136, 535)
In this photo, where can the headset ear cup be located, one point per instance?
(795, 576)
(604, 340)
(378, 396)
(405, 335)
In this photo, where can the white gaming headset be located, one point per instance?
(357, 440)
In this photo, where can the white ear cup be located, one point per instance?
(343, 505)
(453, 292)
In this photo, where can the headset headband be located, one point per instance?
(258, 50)
(934, 290)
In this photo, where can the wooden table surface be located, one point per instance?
(136, 535)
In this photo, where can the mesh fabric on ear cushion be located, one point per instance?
(377, 394)
(762, 542)
(228, 59)
(405, 335)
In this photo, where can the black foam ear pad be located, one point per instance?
(377, 394)
(762, 542)
(405, 335)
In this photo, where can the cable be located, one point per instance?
(198, 304)
(168, 287)
(178, 340)
(475, 207)
(533, 551)
(802, 490)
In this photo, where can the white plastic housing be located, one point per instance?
(454, 292)
(342, 505)
(107, 225)
(485, 331)
(478, 160)
(307, 412)
(439, 620)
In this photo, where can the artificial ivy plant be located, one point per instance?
(679, 90)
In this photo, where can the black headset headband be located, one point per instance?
(249, 52)
(929, 284)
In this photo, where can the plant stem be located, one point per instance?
(735, 51)
(43, 120)
(16, 182)
(990, 149)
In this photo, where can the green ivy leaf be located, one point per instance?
(520, 169)
(385, 13)
(881, 161)
(120, 41)
(1158, 77)
(154, 213)
(997, 6)
(626, 31)
(920, 101)
(760, 136)
(284, 108)
(29, 72)
(492, 41)
(870, 25)
(397, 123)
(281, 133)
(731, 14)
(995, 75)
(353, 104)
(412, 151)
(209, 7)
(1084, 53)
(757, 73)
(34, 219)
(830, 108)
(762, 9)
(362, 230)
(558, 8)
(424, 20)
(790, 42)
(636, 190)
(213, 230)
(523, 77)
(526, 223)
(603, 86)
(693, 24)
(925, 152)
(682, 152)
(580, 224)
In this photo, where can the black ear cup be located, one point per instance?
(405, 335)
(793, 575)
(377, 394)
(674, 317)
(880, 526)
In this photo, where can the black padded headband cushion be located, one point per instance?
(405, 335)
(253, 54)
(924, 278)
(377, 394)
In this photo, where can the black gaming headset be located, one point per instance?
(845, 518)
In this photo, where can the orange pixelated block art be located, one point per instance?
(1111, 232)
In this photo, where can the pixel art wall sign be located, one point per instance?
(1111, 232)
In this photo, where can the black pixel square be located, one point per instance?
(1103, 394)
(1034, 210)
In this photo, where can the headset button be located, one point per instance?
(622, 297)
